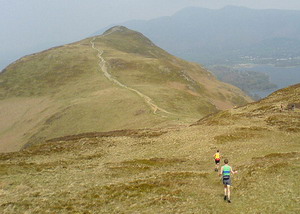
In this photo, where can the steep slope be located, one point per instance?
(165, 170)
(118, 80)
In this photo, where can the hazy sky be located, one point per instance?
(28, 26)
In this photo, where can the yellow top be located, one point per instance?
(217, 155)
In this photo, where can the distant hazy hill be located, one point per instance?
(119, 80)
(216, 36)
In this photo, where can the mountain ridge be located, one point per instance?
(120, 80)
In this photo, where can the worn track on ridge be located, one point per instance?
(102, 65)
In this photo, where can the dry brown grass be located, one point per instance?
(167, 173)
(242, 134)
(19, 117)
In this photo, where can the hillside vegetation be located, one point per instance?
(119, 80)
(165, 170)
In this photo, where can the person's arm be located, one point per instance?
(221, 171)
(233, 172)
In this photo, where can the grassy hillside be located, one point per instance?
(166, 170)
(159, 74)
(65, 91)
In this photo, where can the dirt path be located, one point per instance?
(102, 65)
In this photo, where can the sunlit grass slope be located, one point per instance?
(168, 170)
(63, 90)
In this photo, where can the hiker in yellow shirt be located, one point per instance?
(217, 158)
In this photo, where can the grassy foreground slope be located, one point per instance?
(64, 91)
(165, 170)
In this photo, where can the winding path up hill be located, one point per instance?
(118, 80)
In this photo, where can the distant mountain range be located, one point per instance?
(228, 35)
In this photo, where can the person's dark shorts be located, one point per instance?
(217, 161)
(227, 180)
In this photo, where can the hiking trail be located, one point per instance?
(102, 65)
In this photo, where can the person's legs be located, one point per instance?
(225, 192)
(217, 165)
(228, 193)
